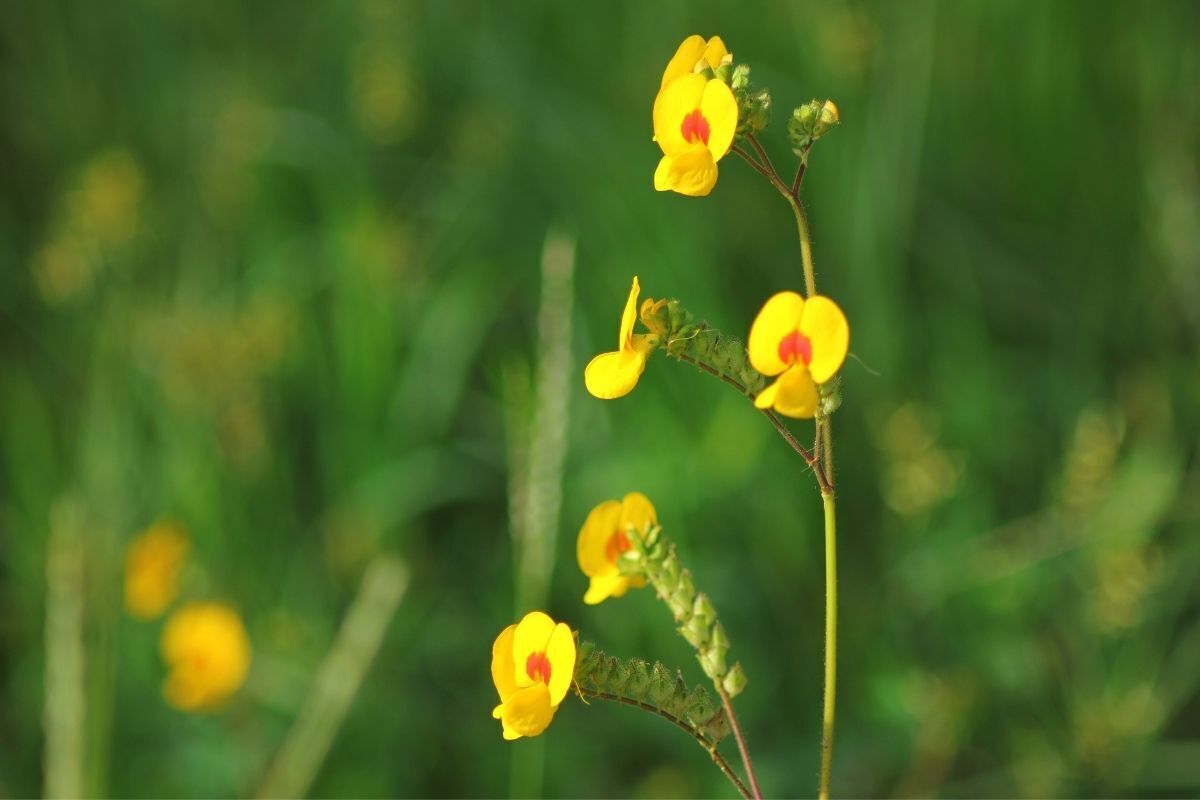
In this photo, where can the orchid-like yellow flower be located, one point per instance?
(695, 118)
(208, 654)
(533, 663)
(806, 341)
(152, 564)
(694, 54)
(612, 375)
(602, 539)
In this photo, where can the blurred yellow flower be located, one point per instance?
(694, 54)
(152, 564)
(806, 341)
(612, 375)
(533, 664)
(603, 537)
(207, 654)
(695, 118)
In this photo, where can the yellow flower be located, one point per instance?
(806, 341)
(533, 664)
(695, 118)
(604, 537)
(207, 654)
(152, 564)
(612, 375)
(694, 55)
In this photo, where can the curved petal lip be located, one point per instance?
(612, 375)
(693, 172)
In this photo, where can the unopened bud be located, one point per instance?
(662, 684)
(734, 681)
(655, 316)
(740, 78)
(810, 122)
(639, 679)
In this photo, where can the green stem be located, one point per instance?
(823, 452)
(792, 195)
(709, 745)
(830, 695)
(741, 741)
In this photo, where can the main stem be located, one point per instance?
(830, 696)
(824, 467)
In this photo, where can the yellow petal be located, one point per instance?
(720, 108)
(825, 326)
(662, 174)
(527, 713)
(638, 511)
(693, 172)
(531, 636)
(601, 587)
(560, 652)
(629, 316)
(502, 664)
(590, 547)
(675, 101)
(612, 375)
(779, 316)
(685, 59)
(715, 53)
(796, 395)
(766, 398)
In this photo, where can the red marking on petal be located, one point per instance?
(795, 346)
(617, 544)
(537, 667)
(695, 128)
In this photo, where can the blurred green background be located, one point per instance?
(274, 270)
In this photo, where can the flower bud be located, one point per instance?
(700, 708)
(618, 676)
(740, 77)
(695, 631)
(662, 685)
(586, 657)
(719, 638)
(831, 396)
(639, 679)
(656, 316)
(810, 122)
(734, 681)
(703, 609)
(712, 661)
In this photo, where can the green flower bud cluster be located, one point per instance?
(810, 122)
(754, 104)
(653, 686)
(655, 558)
(687, 340)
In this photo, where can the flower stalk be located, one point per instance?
(654, 688)
(653, 557)
(809, 123)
